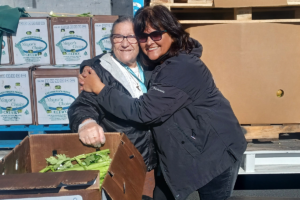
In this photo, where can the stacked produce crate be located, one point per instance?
(40, 66)
(252, 49)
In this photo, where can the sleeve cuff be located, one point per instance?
(103, 93)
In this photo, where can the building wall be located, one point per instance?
(96, 7)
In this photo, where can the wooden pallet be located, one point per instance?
(191, 13)
(200, 3)
(269, 131)
(183, 2)
(275, 157)
(196, 15)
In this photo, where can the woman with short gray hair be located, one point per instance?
(120, 69)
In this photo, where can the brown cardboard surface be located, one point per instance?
(101, 19)
(71, 20)
(42, 146)
(21, 156)
(27, 69)
(127, 168)
(250, 62)
(31, 181)
(85, 194)
(149, 184)
(248, 3)
(49, 39)
(39, 72)
(9, 45)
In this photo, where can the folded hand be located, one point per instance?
(89, 81)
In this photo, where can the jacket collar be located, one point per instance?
(108, 64)
(196, 51)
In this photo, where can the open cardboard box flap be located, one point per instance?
(124, 180)
(248, 3)
(250, 62)
(31, 181)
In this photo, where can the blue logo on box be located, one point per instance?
(40, 49)
(72, 44)
(48, 108)
(12, 101)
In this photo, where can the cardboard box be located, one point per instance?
(16, 105)
(102, 27)
(124, 180)
(57, 186)
(55, 89)
(201, 1)
(6, 57)
(31, 42)
(71, 39)
(249, 3)
(250, 62)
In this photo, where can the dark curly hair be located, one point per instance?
(160, 18)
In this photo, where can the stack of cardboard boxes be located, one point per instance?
(50, 51)
(252, 51)
(57, 40)
(38, 83)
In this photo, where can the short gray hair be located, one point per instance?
(122, 18)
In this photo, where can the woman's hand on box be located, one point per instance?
(90, 133)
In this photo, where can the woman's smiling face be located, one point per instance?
(156, 49)
(125, 51)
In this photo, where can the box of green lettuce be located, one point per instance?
(21, 178)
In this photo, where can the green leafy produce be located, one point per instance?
(98, 160)
(85, 15)
(52, 14)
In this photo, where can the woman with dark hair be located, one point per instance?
(198, 138)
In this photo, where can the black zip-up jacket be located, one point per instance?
(197, 134)
(85, 106)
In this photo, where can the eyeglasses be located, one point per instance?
(117, 38)
(155, 36)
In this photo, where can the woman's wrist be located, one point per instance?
(99, 88)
